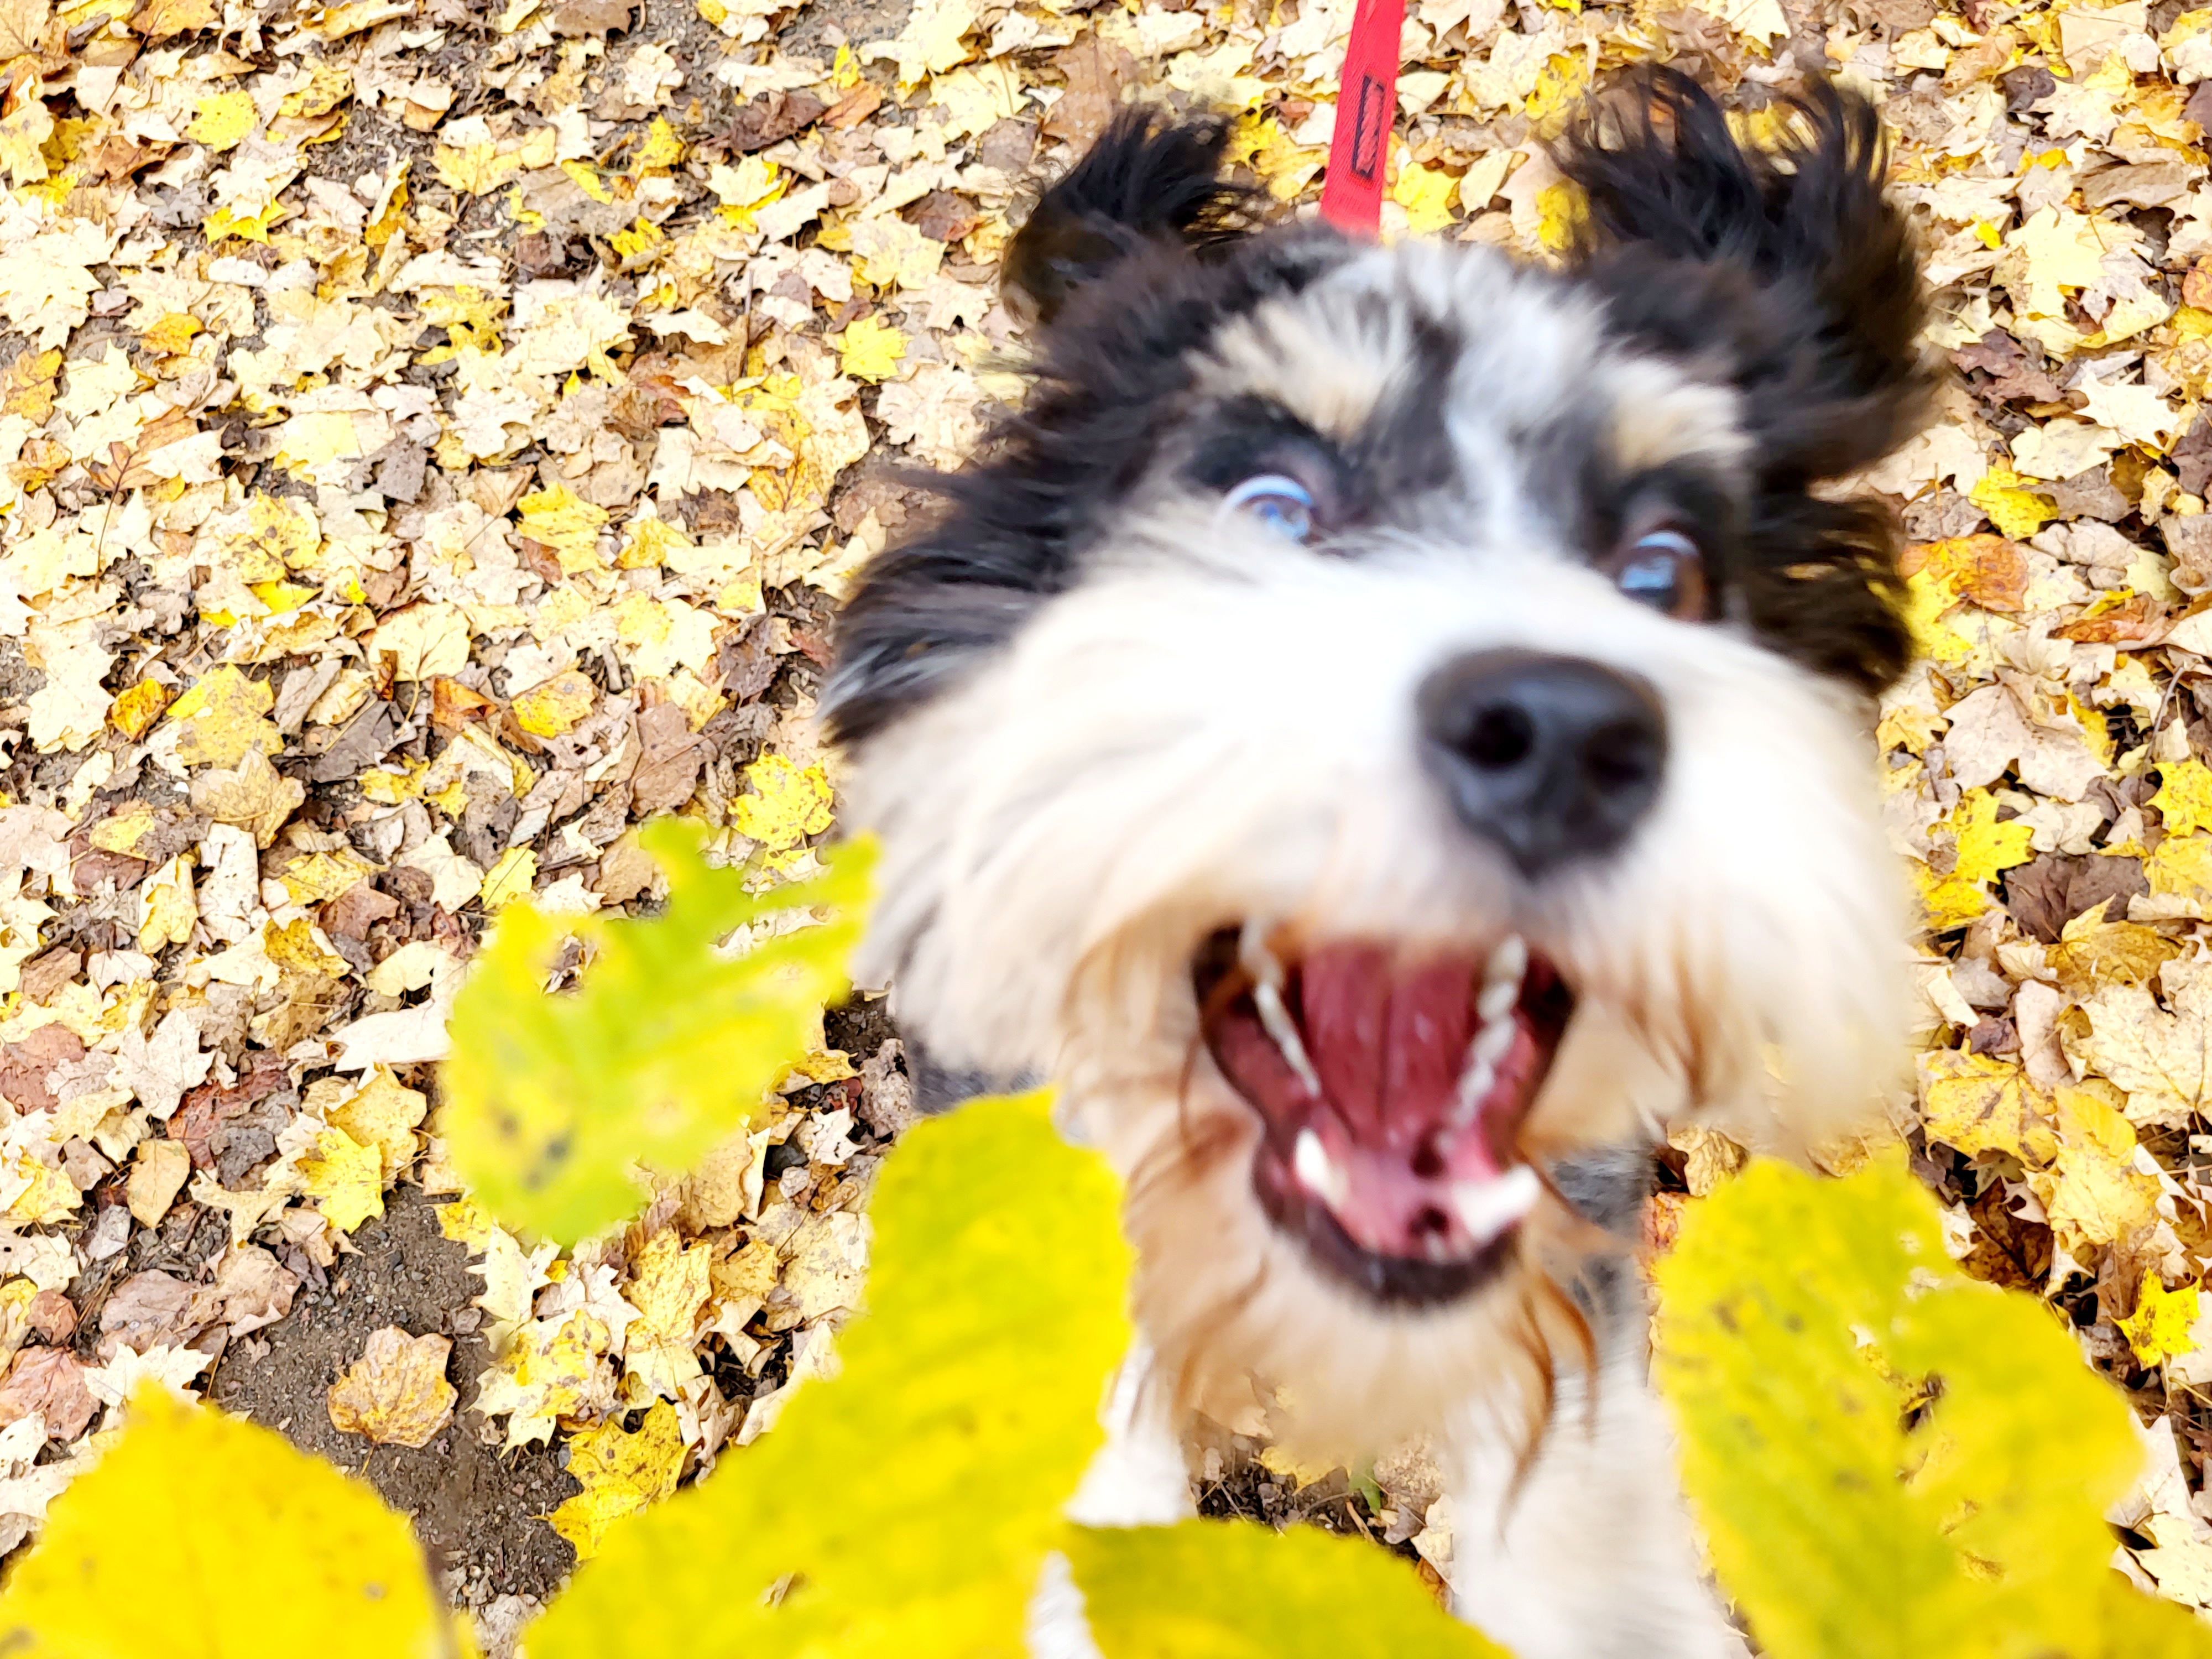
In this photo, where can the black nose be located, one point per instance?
(1553, 759)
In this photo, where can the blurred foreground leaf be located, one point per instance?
(1229, 1590)
(663, 1048)
(1887, 1456)
(202, 1537)
(918, 1493)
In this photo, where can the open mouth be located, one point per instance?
(1391, 1089)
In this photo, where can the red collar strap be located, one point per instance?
(1367, 102)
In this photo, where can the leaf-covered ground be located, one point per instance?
(433, 440)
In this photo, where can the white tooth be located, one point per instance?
(1317, 1172)
(1474, 1083)
(1436, 1250)
(1488, 1209)
(1508, 962)
(1254, 956)
(1496, 1000)
(1257, 960)
(1285, 1030)
(1490, 1043)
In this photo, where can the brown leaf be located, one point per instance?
(2007, 1250)
(769, 120)
(942, 216)
(668, 768)
(25, 1066)
(452, 705)
(2013, 373)
(575, 18)
(1096, 74)
(2051, 889)
(49, 1380)
(1987, 569)
(855, 107)
(2134, 622)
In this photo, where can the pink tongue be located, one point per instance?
(1389, 1046)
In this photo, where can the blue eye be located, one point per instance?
(1281, 503)
(1662, 569)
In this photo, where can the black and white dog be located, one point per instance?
(1384, 729)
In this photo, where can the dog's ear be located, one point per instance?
(1792, 258)
(1148, 182)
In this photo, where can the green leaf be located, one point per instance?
(917, 1494)
(1887, 1456)
(1216, 1590)
(201, 1537)
(663, 1048)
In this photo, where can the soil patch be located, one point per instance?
(479, 1511)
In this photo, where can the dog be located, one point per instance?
(1384, 729)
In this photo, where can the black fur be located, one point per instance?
(1801, 276)
(1146, 182)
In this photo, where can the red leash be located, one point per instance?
(1367, 103)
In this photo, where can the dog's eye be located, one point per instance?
(1662, 569)
(1281, 503)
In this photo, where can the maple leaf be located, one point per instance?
(663, 1048)
(396, 1395)
(1986, 1535)
(621, 1472)
(869, 349)
(2158, 1328)
(196, 1527)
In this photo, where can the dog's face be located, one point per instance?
(1385, 720)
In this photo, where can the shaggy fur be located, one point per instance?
(1113, 728)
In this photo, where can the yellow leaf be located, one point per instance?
(1978, 1103)
(870, 349)
(888, 251)
(222, 120)
(661, 150)
(473, 169)
(664, 1048)
(222, 715)
(166, 905)
(668, 1286)
(650, 542)
(1558, 214)
(550, 709)
(391, 210)
(586, 180)
(1426, 195)
(395, 1394)
(2158, 1330)
(383, 1114)
(1985, 846)
(2015, 509)
(790, 803)
(50, 1196)
(172, 334)
(201, 1535)
(138, 709)
(557, 1369)
(621, 1473)
(344, 1178)
(2181, 867)
(2184, 796)
(2093, 1193)
(567, 524)
(511, 878)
